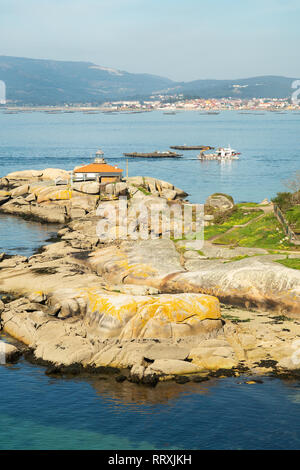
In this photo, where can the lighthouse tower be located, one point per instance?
(99, 157)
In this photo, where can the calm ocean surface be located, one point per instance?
(38, 412)
(269, 144)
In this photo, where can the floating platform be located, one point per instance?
(191, 147)
(153, 155)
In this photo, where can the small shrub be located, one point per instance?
(283, 200)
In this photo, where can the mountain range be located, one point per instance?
(52, 82)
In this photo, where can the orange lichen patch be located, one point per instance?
(181, 307)
(131, 317)
(4, 193)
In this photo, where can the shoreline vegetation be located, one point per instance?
(149, 310)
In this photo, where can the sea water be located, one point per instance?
(269, 146)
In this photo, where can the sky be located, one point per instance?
(183, 40)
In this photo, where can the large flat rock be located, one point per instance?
(137, 261)
(255, 281)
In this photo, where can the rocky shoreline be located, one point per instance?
(147, 310)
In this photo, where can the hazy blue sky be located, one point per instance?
(179, 39)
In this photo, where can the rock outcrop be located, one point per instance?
(48, 195)
(100, 327)
(221, 202)
(252, 282)
(99, 298)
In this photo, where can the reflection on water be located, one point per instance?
(139, 397)
(39, 412)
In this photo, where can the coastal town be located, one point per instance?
(166, 103)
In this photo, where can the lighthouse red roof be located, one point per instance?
(98, 168)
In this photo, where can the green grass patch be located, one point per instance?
(237, 258)
(200, 252)
(143, 190)
(293, 263)
(292, 216)
(238, 217)
(265, 233)
(213, 230)
(248, 204)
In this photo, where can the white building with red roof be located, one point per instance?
(99, 170)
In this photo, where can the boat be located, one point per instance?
(170, 112)
(155, 154)
(212, 112)
(221, 154)
(191, 147)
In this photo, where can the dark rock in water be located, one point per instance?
(32, 359)
(182, 379)
(199, 379)
(293, 375)
(150, 380)
(121, 378)
(79, 369)
(54, 370)
(223, 372)
(73, 369)
(267, 363)
(101, 370)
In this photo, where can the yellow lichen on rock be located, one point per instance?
(51, 193)
(4, 193)
(161, 316)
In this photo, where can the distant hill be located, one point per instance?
(42, 82)
(257, 87)
(38, 82)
